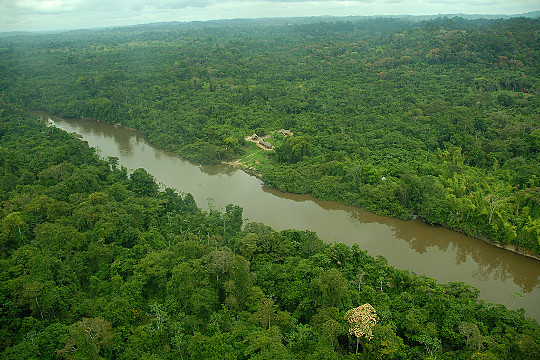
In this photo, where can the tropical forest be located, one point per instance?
(405, 117)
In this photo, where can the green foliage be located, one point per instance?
(98, 264)
(143, 183)
(294, 150)
(445, 111)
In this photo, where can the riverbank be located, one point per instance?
(248, 165)
(246, 169)
(250, 170)
(510, 247)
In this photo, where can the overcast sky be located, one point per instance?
(35, 15)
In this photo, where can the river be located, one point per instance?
(424, 249)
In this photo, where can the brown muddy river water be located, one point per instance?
(424, 249)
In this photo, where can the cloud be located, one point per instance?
(48, 6)
(62, 6)
(145, 5)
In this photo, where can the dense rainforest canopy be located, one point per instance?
(98, 263)
(436, 118)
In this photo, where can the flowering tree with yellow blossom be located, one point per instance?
(361, 320)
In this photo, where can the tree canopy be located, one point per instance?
(91, 267)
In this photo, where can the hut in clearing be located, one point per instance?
(265, 144)
(285, 132)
